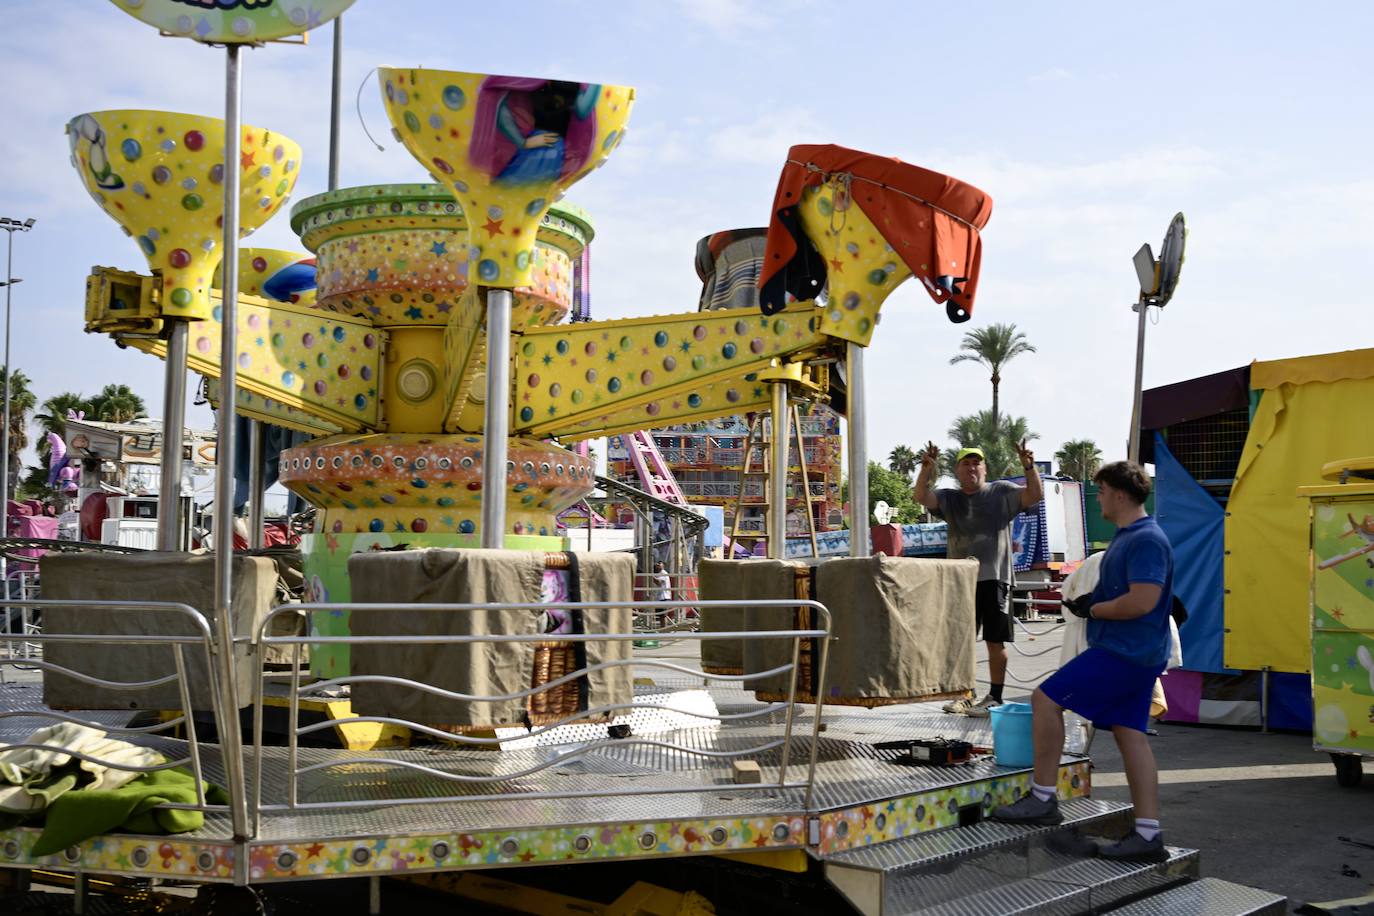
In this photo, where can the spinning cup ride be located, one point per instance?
(420, 289)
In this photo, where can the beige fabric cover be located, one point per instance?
(903, 627)
(720, 580)
(444, 576)
(179, 577)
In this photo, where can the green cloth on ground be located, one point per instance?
(81, 814)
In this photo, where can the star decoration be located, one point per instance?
(315, 849)
(1338, 612)
(547, 359)
(246, 159)
(439, 248)
(493, 227)
(373, 275)
(685, 346)
(414, 313)
(445, 307)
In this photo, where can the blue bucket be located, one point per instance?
(1011, 735)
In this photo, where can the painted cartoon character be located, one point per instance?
(531, 131)
(85, 127)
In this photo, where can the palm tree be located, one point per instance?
(993, 347)
(997, 438)
(53, 417)
(1079, 459)
(22, 401)
(903, 460)
(118, 404)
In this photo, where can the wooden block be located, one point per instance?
(746, 772)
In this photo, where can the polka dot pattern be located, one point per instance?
(433, 113)
(239, 22)
(415, 483)
(863, 268)
(139, 165)
(641, 372)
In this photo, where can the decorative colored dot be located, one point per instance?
(526, 414)
(192, 202)
(626, 343)
(320, 388)
(661, 339)
(522, 260)
(217, 313)
(851, 300)
(181, 297)
(203, 344)
(864, 325)
(454, 98)
(576, 396)
(561, 347)
(282, 187)
(444, 501)
(344, 372)
(756, 345)
(131, 149)
(533, 380)
(308, 340)
(366, 373)
(590, 348)
(488, 269)
(179, 258)
(194, 140)
(877, 276)
(555, 390)
(412, 122)
(779, 327)
(360, 402)
(495, 212)
(217, 173)
(466, 526)
(698, 362)
(442, 166)
(376, 525)
(741, 327)
(419, 525)
(162, 174)
(288, 379)
(168, 145)
(535, 206)
(419, 483)
(613, 385)
(527, 349)
(728, 351)
(693, 400)
(339, 334)
(436, 122)
(245, 360)
(646, 377)
(591, 375)
(824, 206)
(669, 364)
(652, 409)
(369, 341)
(278, 340)
(699, 332)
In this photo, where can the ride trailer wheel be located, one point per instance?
(1349, 769)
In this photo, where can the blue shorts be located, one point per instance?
(1105, 689)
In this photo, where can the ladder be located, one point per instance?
(751, 522)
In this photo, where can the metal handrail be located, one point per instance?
(262, 639)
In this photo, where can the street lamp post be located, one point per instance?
(11, 226)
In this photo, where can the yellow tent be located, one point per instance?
(1312, 409)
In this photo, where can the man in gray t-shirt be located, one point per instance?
(979, 517)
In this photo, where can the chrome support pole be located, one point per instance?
(777, 475)
(336, 105)
(255, 487)
(497, 429)
(230, 735)
(857, 428)
(1133, 449)
(173, 442)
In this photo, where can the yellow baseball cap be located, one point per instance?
(966, 452)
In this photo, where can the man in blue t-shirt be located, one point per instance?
(1110, 683)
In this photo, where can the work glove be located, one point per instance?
(1080, 606)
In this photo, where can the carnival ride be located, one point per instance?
(433, 370)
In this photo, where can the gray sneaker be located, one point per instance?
(983, 708)
(958, 707)
(1135, 848)
(1030, 810)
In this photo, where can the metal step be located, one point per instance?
(1075, 886)
(928, 865)
(1208, 897)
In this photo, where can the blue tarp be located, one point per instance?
(1193, 522)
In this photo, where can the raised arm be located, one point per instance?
(923, 493)
(1034, 490)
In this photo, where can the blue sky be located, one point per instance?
(1089, 124)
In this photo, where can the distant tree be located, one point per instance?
(997, 438)
(22, 401)
(1079, 459)
(117, 404)
(895, 490)
(903, 460)
(993, 347)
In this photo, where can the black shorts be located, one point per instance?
(990, 606)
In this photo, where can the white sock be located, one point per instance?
(1047, 793)
(1148, 828)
